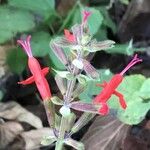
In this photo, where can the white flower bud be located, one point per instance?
(78, 63)
(65, 111)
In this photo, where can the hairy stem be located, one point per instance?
(67, 99)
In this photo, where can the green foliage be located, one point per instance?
(107, 21)
(41, 7)
(54, 61)
(124, 49)
(75, 144)
(75, 16)
(47, 140)
(40, 43)
(94, 21)
(14, 21)
(16, 60)
(19, 16)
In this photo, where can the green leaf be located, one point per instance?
(47, 140)
(75, 144)
(13, 21)
(82, 79)
(56, 100)
(41, 7)
(136, 107)
(124, 49)
(134, 83)
(135, 111)
(16, 60)
(101, 34)
(95, 20)
(145, 90)
(54, 61)
(40, 43)
(64, 74)
(77, 18)
(5, 35)
(108, 22)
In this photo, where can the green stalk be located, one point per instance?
(67, 98)
(59, 143)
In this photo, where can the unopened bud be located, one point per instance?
(65, 111)
(78, 63)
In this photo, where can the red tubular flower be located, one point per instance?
(38, 74)
(110, 89)
(86, 14)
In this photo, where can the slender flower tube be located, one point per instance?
(38, 74)
(86, 14)
(110, 89)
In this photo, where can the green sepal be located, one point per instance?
(75, 144)
(47, 140)
(64, 74)
(56, 100)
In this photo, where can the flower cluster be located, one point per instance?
(74, 51)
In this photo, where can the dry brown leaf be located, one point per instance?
(8, 132)
(14, 111)
(106, 133)
(33, 138)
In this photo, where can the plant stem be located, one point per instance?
(59, 143)
(70, 87)
(67, 98)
